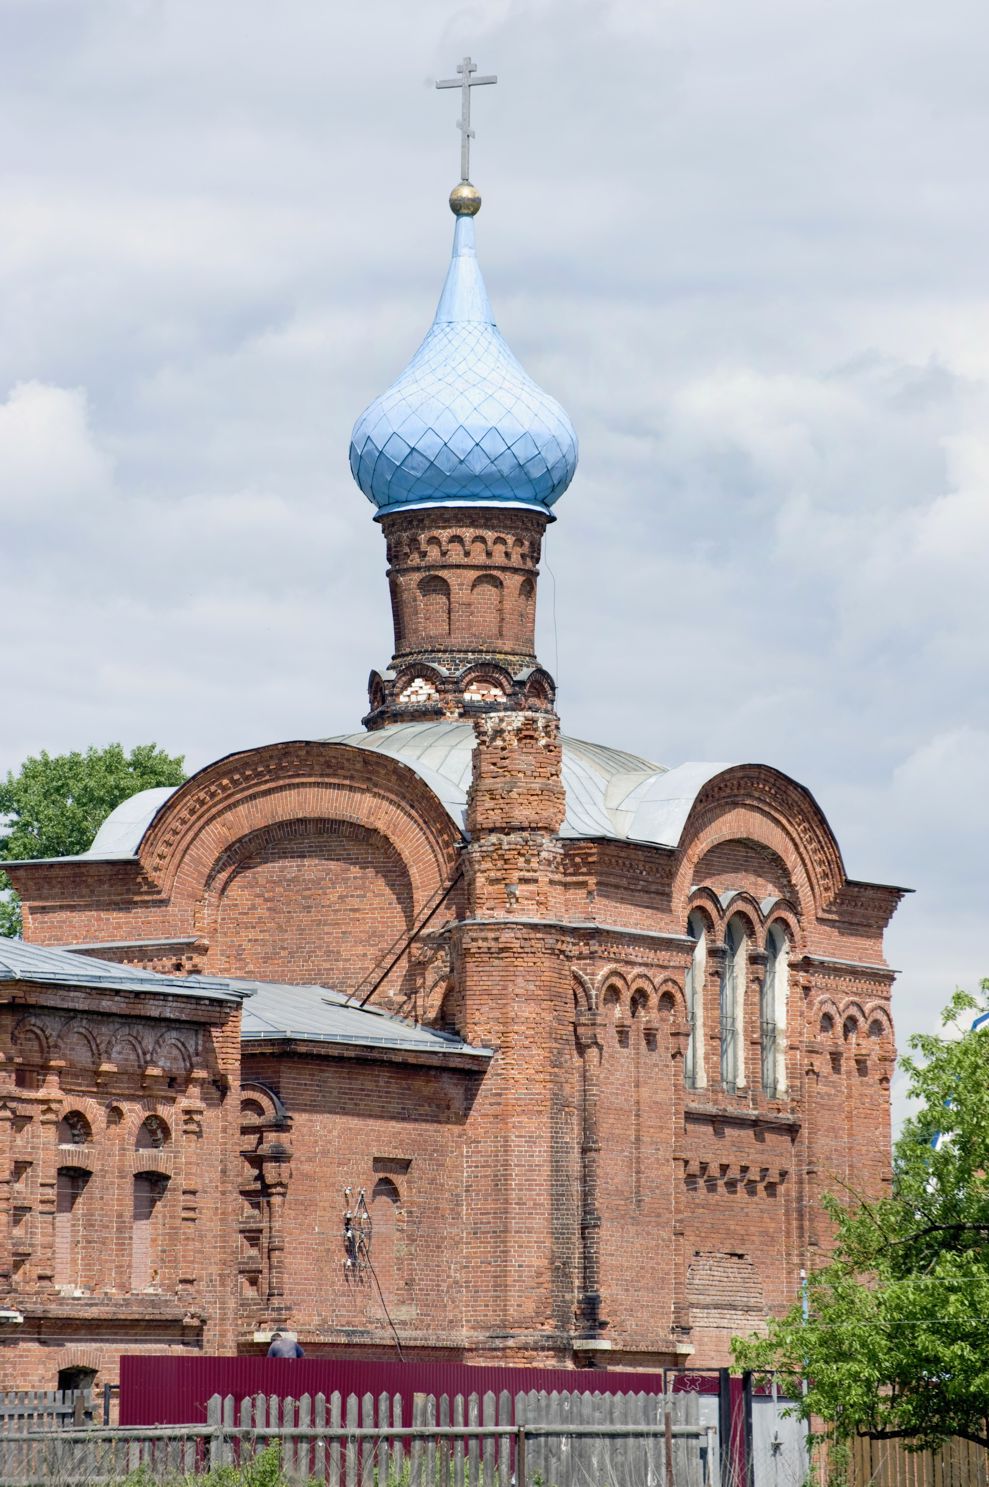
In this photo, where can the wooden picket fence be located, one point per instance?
(43, 1409)
(557, 1440)
(888, 1464)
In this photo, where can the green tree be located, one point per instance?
(896, 1344)
(55, 804)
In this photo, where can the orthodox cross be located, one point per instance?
(465, 82)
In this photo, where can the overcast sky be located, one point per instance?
(745, 244)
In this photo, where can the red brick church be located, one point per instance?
(521, 1047)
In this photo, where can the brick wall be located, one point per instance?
(463, 581)
(312, 905)
(397, 1135)
(103, 1094)
(575, 1202)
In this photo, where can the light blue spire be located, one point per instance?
(464, 296)
(463, 423)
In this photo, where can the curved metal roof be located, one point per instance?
(121, 832)
(609, 793)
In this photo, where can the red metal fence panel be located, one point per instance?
(174, 1391)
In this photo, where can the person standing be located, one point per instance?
(284, 1345)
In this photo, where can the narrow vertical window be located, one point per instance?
(527, 606)
(487, 596)
(693, 1073)
(69, 1185)
(732, 1007)
(149, 1188)
(385, 1208)
(434, 601)
(772, 1011)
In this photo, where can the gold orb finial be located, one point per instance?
(465, 200)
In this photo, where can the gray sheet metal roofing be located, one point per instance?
(316, 1014)
(271, 1010)
(48, 965)
(609, 793)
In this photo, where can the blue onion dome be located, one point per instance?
(464, 423)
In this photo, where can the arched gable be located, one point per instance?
(263, 1098)
(285, 783)
(753, 803)
(786, 916)
(486, 682)
(308, 863)
(705, 902)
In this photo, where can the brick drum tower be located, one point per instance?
(565, 1043)
(464, 456)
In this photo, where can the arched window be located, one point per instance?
(153, 1134)
(732, 1007)
(385, 1210)
(70, 1183)
(434, 606)
(772, 1011)
(527, 605)
(487, 597)
(146, 1240)
(74, 1129)
(693, 1072)
(77, 1377)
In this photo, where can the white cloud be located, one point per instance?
(50, 463)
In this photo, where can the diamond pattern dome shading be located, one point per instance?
(464, 423)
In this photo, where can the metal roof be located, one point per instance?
(609, 793)
(463, 422)
(128, 822)
(316, 1014)
(271, 1010)
(48, 965)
